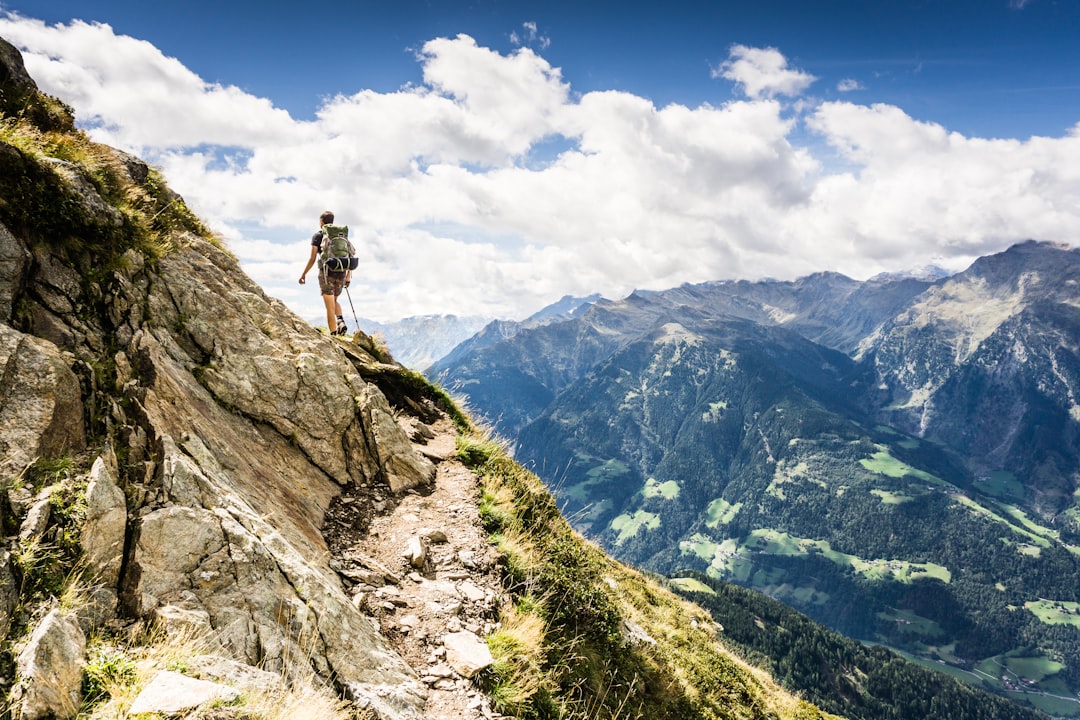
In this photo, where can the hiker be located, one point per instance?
(331, 282)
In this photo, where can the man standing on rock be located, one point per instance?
(331, 282)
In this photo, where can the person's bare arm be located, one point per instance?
(310, 262)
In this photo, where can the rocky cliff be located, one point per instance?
(230, 424)
(185, 464)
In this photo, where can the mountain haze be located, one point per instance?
(418, 341)
(897, 458)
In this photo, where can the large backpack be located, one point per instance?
(337, 254)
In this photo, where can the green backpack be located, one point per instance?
(337, 254)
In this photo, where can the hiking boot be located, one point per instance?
(342, 328)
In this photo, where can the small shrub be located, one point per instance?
(108, 669)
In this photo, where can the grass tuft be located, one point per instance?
(518, 648)
(109, 670)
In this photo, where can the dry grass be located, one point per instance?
(294, 701)
(157, 221)
(120, 669)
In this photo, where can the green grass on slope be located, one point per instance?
(584, 636)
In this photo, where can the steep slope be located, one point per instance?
(988, 363)
(201, 492)
(857, 681)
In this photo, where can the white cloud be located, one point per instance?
(456, 207)
(532, 36)
(763, 73)
(159, 98)
(921, 189)
(849, 85)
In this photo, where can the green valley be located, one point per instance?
(878, 455)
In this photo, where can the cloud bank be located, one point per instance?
(492, 188)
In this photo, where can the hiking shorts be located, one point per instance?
(331, 283)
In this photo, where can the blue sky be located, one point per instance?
(987, 67)
(494, 155)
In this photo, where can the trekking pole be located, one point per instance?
(355, 320)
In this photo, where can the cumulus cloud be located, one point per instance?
(493, 188)
(849, 85)
(159, 97)
(763, 73)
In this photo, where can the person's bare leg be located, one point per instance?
(333, 309)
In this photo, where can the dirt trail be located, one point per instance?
(422, 567)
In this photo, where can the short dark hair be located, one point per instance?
(327, 217)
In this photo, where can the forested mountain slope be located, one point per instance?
(896, 458)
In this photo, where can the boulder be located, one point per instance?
(105, 527)
(41, 410)
(182, 622)
(402, 467)
(171, 693)
(49, 669)
(232, 673)
(37, 517)
(416, 551)
(466, 653)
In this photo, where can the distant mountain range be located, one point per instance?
(898, 458)
(418, 341)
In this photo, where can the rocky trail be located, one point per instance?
(421, 566)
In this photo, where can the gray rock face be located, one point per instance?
(253, 355)
(50, 669)
(238, 423)
(13, 259)
(41, 410)
(246, 423)
(258, 421)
